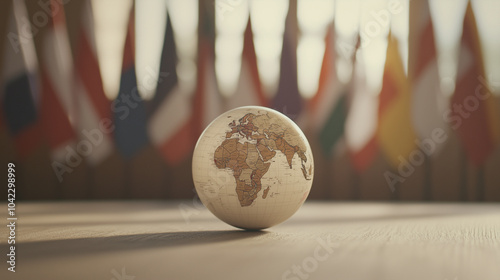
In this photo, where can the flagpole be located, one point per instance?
(463, 177)
(127, 177)
(480, 183)
(355, 184)
(427, 195)
(90, 181)
(395, 193)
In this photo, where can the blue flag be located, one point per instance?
(128, 107)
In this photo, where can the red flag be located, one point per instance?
(428, 102)
(327, 78)
(469, 114)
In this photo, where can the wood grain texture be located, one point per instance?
(182, 240)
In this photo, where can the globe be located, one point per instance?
(253, 167)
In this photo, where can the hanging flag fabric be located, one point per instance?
(167, 78)
(93, 107)
(207, 99)
(249, 90)
(361, 123)
(328, 107)
(170, 125)
(428, 102)
(395, 132)
(288, 100)
(320, 104)
(188, 114)
(333, 129)
(19, 94)
(128, 107)
(469, 115)
(57, 98)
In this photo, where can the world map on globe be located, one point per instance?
(249, 160)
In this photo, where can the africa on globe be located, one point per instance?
(253, 167)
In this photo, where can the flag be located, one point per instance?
(428, 102)
(20, 90)
(207, 101)
(93, 107)
(170, 125)
(128, 107)
(320, 103)
(328, 107)
(395, 133)
(167, 78)
(187, 114)
(333, 129)
(469, 113)
(249, 90)
(361, 122)
(57, 98)
(288, 100)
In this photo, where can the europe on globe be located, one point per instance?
(253, 167)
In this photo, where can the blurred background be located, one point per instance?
(105, 99)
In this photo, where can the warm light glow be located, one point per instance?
(400, 29)
(346, 30)
(231, 18)
(184, 15)
(111, 19)
(313, 17)
(374, 28)
(347, 18)
(310, 51)
(228, 49)
(374, 62)
(448, 17)
(150, 30)
(268, 25)
(488, 21)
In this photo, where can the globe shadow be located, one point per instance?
(97, 245)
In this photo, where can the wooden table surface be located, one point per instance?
(139, 240)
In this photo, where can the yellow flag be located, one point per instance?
(395, 132)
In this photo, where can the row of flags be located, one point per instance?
(58, 99)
